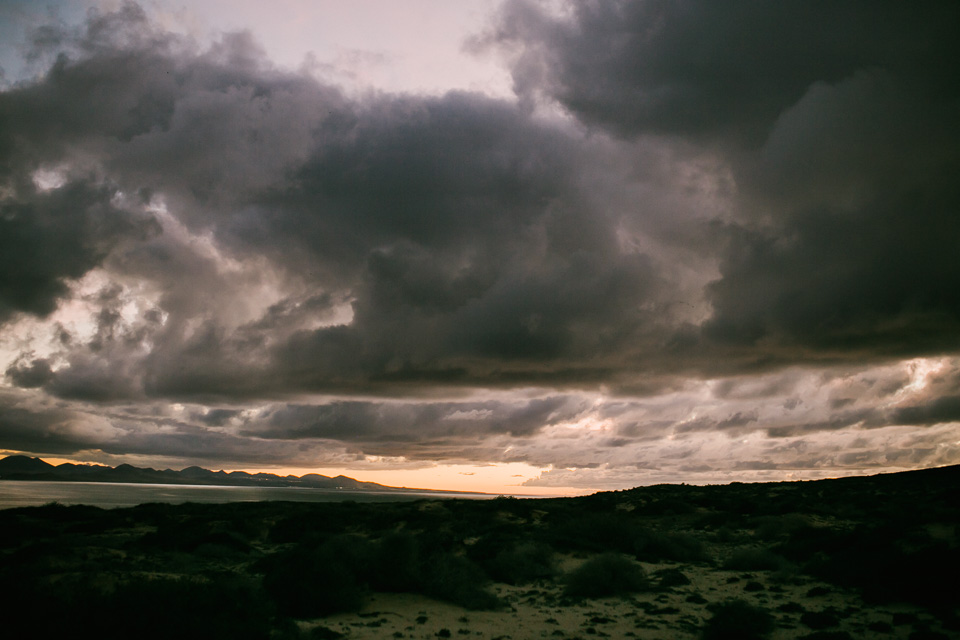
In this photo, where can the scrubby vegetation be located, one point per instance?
(756, 559)
(738, 620)
(606, 575)
(252, 570)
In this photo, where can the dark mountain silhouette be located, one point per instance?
(27, 468)
(24, 465)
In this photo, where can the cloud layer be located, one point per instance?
(704, 241)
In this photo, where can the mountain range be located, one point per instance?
(26, 468)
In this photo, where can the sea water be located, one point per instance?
(30, 493)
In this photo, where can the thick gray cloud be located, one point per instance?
(702, 69)
(50, 238)
(837, 123)
(456, 233)
(422, 431)
(733, 244)
(27, 372)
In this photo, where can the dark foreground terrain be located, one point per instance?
(869, 557)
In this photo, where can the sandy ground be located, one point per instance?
(536, 611)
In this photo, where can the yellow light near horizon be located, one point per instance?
(497, 479)
(500, 479)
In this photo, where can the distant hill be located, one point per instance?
(27, 468)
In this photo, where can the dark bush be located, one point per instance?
(397, 564)
(655, 546)
(738, 620)
(142, 608)
(668, 506)
(306, 583)
(455, 579)
(819, 619)
(605, 575)
(927, 634)
(887, 563)
(523, 563)
(771, 528)
(489, 546)
(309, 520)
(182, 608)
(667, 578)
(756, 560)
(596, 532)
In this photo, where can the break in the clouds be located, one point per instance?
(699, 242)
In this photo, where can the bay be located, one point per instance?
(31, 493)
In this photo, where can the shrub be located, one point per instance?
(523, 563)
(889, 568)
(455, 579)
(324, 633)
(756, 560)
(605, 575)
(596, 532)
(738, 620)
(772, 528)
(668, 506)
(397, 564)
(148, 609)
(307, 583)
(819, 619)
(654, 546)
(671, 578)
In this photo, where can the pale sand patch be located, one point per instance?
(540, 611)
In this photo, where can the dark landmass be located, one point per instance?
(27, 468)
(869, 557)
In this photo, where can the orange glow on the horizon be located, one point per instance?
(498, 479)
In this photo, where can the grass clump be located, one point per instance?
(606, 575)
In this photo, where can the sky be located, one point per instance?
(537, 248)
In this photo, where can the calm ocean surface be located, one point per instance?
(28, 493)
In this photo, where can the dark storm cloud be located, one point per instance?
(940, 410)
(454, 235)
(472, 243)
(29, 424)
(705, 69)
(50, 238)
(27, 372)
(743, 193)
(840, 420)
(26, 429)
(218, 417)
(838, 123)
(456, 230)
(411, 422)
(739, 422)
(879, 279)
